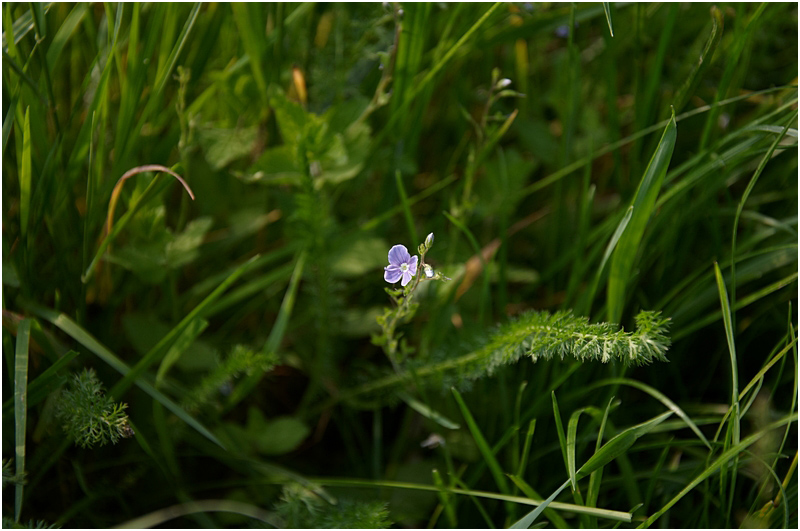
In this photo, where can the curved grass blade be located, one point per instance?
(726, 319)
(731, 453)
(113, 231)
(20, 407)
(745, 196)
(661, 397)
(623, 259)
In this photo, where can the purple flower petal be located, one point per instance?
(398, 255)
(392, 274)
(406, 278)
(412, 265)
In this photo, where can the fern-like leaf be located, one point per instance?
(537, 335)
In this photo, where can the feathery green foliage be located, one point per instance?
(89, 416)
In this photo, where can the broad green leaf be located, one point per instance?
(223, 146)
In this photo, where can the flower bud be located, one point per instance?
(428, 271)
(503, 83)
(429, 241)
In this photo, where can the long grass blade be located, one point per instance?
(625, 254)
(20, 408)
(483, 446)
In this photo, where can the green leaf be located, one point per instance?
(625, 254)
(223, 146)
(276, 436)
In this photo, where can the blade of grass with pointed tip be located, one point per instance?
(79, 334)
(624, 256)
(562, 439)
(483, 446)
(526, 521)
(607, 10)
(20, 408)
(620, 444)
(427, 412)
(549, 513)
(723, 459)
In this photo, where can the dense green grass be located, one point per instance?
(231, 321)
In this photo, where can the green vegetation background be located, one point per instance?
(236, 326)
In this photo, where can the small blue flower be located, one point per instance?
(401, 265)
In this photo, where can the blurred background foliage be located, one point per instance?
(236, 326)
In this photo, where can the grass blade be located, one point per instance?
(643, 203)
(483, 446)
(723, 459)
(25, 176)
(661, 397)
(526, 521)
(607, 10)
(618, 445)
(20, 408)
(726, 319)
(612, 244)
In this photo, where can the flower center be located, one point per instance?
(403, 267)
